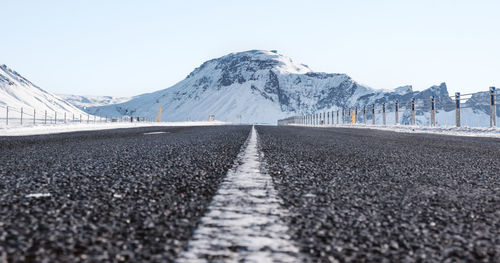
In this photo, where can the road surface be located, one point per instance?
(286, 194)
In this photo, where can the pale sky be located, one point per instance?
(126, 48)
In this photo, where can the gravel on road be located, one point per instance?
(357, 195)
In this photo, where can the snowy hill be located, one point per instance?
(16, 92)
(263, 86)
(86, 101)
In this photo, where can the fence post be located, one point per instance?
(21, 115)
(364, 115)
(396, 112)
(433, 111)
(337, 116)
(45, 122)
(88, 119)
(64, 117)
(383, 114)
(80, 118)
(457, 109)
(343, 116)
(73, 118)
(412, 111)
(355, 115)
(34, 116)
(373, 114)
(55, 117)
(493, 109)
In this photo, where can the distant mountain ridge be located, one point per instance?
(85, 101)
(261, 86)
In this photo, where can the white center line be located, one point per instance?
(152, 133)
(38, 195)
(243, 222)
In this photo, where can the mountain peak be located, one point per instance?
(281, 63)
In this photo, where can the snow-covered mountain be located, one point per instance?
(16, 92)
(261, 87)
(85, 101)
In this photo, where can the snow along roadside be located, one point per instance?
(243, 222)
(454, 131)
(62, 128)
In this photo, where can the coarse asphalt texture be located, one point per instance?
(351, 195)
(115, 195)
(357, 195)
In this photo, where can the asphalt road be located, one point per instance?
(347, 195)
(374, 196)
(115, 195)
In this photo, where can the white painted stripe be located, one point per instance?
(152, 133)
(243, 223)
(38, 195)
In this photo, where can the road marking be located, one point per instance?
(153, 133)
(38, 195)
(243, 223)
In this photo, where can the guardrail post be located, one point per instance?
(88, 119)
(94, 119)
(64, 117)
(373, 114)
(433, 111)
(34, 116)
(21, 115)
(7, 116)
(45, 122)
(55, 117)
(383, 114)
(355, 114)
(413, 111)
(457, 109)
(364, 115)
(493, 109)
(396, 113)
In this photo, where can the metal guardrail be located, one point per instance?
(29, 116)
(353, 114)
